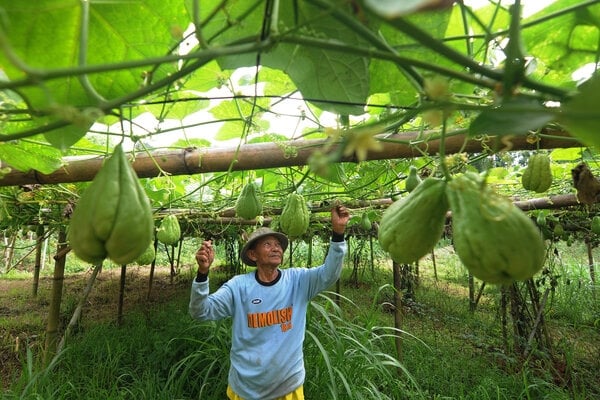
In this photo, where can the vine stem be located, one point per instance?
(83, 42)
(201, 58)
(442, 151)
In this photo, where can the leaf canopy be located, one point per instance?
(80, 77)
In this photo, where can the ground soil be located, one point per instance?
(23, 316)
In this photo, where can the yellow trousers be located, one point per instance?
(297, 394)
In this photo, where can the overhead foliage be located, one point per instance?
(77, 77)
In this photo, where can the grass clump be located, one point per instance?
(440, 350)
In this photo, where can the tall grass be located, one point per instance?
(448, 352)
(348, 359)
(167, 356)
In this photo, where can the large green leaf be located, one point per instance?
(45, 35)
(563, 43)
(333, 81)
(336, 82)
(393, 79)
(515, 117)
(581, 114)
(339, 80)
(26, 155)
(67, 136)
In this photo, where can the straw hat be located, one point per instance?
(256, 235)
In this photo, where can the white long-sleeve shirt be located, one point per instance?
(269, 323)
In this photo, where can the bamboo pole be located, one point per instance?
(77, 313)
(57, 287)
(398, 321)
(39, 241)
(591, 263)
(257, 156)
(121, 294)
(152, 268)
(227, 217)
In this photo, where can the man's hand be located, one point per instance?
(205, 256)
(339, 219)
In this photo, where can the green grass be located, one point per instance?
(447, 351)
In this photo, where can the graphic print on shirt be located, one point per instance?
(281, 317)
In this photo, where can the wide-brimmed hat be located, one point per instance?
(256, 235)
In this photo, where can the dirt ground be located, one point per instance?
(23, 316)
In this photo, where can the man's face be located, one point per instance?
(267, 252)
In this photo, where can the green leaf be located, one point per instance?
(496, 175)
(209, 76)
(581, 114)
(180, 104)
(564, 43)
(193, 142)
(573, 154)
(335, 82)
(230, 130)
(45, 35)
(276, 82)
(333, 173)
(338, 80)
(65, 137)
(387, 78)
(517, 116)
(25, 155)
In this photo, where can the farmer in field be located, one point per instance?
(268, 307)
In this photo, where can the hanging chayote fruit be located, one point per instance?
(495, 240)
(147, 256)
(113, 217)
(248, 205)
(412, 226)
(169, 230)
(295, 216)
(538, 174)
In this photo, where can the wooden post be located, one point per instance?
(39, 241)
(590, 247)
(57, 287)
(471, 292)
(77, 313)
(435, 275)
(121, 294)
(152, 266)
(371, 256)
(398, 308)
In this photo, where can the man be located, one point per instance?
(268, 307)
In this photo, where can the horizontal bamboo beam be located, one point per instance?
(256, 156)
(227, 217)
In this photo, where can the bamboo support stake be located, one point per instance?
(121, 294)
(397, 310)
(77, 313)
(39, 241)
(57, 287)
(591, 263)
(538, 320)
(152, 268)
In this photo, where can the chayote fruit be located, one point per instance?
(595, 225)
(411, 226)
(295, 216)
(495, 240)
(169, 230)
(413, 179)
(113, 217)
(248, 205)
(147, 256)
(365, 221)
(538, 174)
